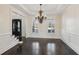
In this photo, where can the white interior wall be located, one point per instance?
(16, 14)
(7, 41)
(43, 28)
(28, 26)
(70, 27)
(7, 13)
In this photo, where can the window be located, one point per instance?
(35, 27)
(51, 28)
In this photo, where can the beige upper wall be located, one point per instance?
(71, 19)
(28, 22)
(26, 19)
(4, 19)
(7, 13)
(42, 28)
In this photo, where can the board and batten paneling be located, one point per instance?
(70, 27)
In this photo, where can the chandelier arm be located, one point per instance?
(40, 17)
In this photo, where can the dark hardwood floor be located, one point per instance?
(39, 46)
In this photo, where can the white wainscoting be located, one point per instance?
(7, 41)
(71, 40)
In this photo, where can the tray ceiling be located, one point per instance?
(49, 9)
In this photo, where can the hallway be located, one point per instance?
(55, 32)
(39, 46)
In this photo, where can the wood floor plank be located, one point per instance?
(41, 46)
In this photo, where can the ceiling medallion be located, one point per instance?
(40, 17)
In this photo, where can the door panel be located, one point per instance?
(16, 27)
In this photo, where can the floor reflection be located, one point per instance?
(35, 48)
(51, 49)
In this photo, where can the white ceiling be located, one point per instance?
(48, 9)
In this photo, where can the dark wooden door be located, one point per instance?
(16, 27)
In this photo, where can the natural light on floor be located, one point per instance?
(35, 47)
(51, 48)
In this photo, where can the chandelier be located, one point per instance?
(40, 17)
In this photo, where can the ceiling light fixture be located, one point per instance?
(40, 17)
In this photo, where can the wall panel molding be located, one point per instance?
(7, 41)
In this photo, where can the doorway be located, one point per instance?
(17, 28)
